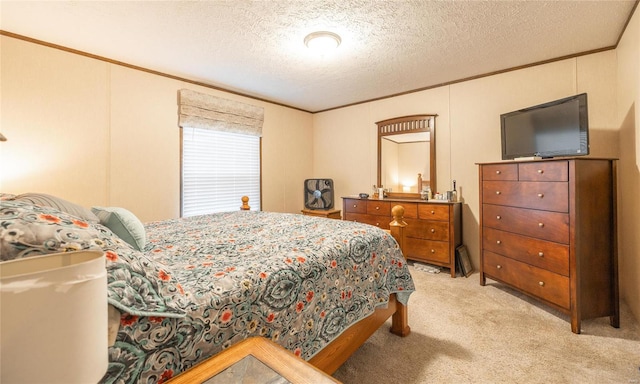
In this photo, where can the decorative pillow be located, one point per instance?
(45, 200)
(136, 284)
(124, 224)
(7, 196)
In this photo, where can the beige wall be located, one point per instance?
(55, 115)
(628, 118)
(101, 134)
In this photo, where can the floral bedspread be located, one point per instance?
(297, 280)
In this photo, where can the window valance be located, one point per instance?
(199, 110)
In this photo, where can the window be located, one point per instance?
(220, 153)
(218, 168)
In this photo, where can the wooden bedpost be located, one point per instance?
(245, 203)
(400, 321)
(397, 225)
(400, 318)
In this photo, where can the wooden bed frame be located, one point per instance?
(334, 354)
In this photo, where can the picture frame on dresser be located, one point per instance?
(463, 261)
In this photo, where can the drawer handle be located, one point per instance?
(540, 171)
(433, 251)
(497, 192)
(377, 208)
(377, 224)
(498, 217)
(498, 172)
(540, 225)
(433, 230)
(541, 283)
(355, 206)
(499, 266)
(433, 212)
(498, 242)
(541, 254)
(541, 195)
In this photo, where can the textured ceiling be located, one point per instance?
(388, 47)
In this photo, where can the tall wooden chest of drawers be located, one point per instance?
(433, 231)
(548, 229)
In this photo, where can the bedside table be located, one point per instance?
(327, 213)
(255, 360)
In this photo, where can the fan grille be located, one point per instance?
(318, 193)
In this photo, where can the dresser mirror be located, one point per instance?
(406, 148)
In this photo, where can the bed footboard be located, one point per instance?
(332, 356)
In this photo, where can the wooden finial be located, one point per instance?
(396, 227)
(245, 203)
(398, 216)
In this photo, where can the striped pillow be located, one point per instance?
(45, 200)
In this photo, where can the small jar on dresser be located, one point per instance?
(548, 229)
(433, 230)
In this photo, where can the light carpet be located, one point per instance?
(462, 332)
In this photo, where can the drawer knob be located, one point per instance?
(540, 225)
(433, 212)
(433, 230)
(541, 254)
(498, 217)
(541, 283)
(377, 224)
(377, 208)
(433, 251)
(541, 195)
(541, 171)
(499, 266)
(355, 206)
(497, 192)
(498, 242)
(498, 172)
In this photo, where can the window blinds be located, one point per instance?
(218, 168)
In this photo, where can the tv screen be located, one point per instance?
(556, 128)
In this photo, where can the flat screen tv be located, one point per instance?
(554, 129)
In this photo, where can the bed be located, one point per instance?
(182, 290)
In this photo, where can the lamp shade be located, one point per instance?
(53, 318)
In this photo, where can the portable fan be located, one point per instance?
(318, 193)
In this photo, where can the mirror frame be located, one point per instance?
(409, 124)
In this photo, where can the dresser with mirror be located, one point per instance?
(406, 148)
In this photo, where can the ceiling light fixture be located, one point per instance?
(322, 41)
